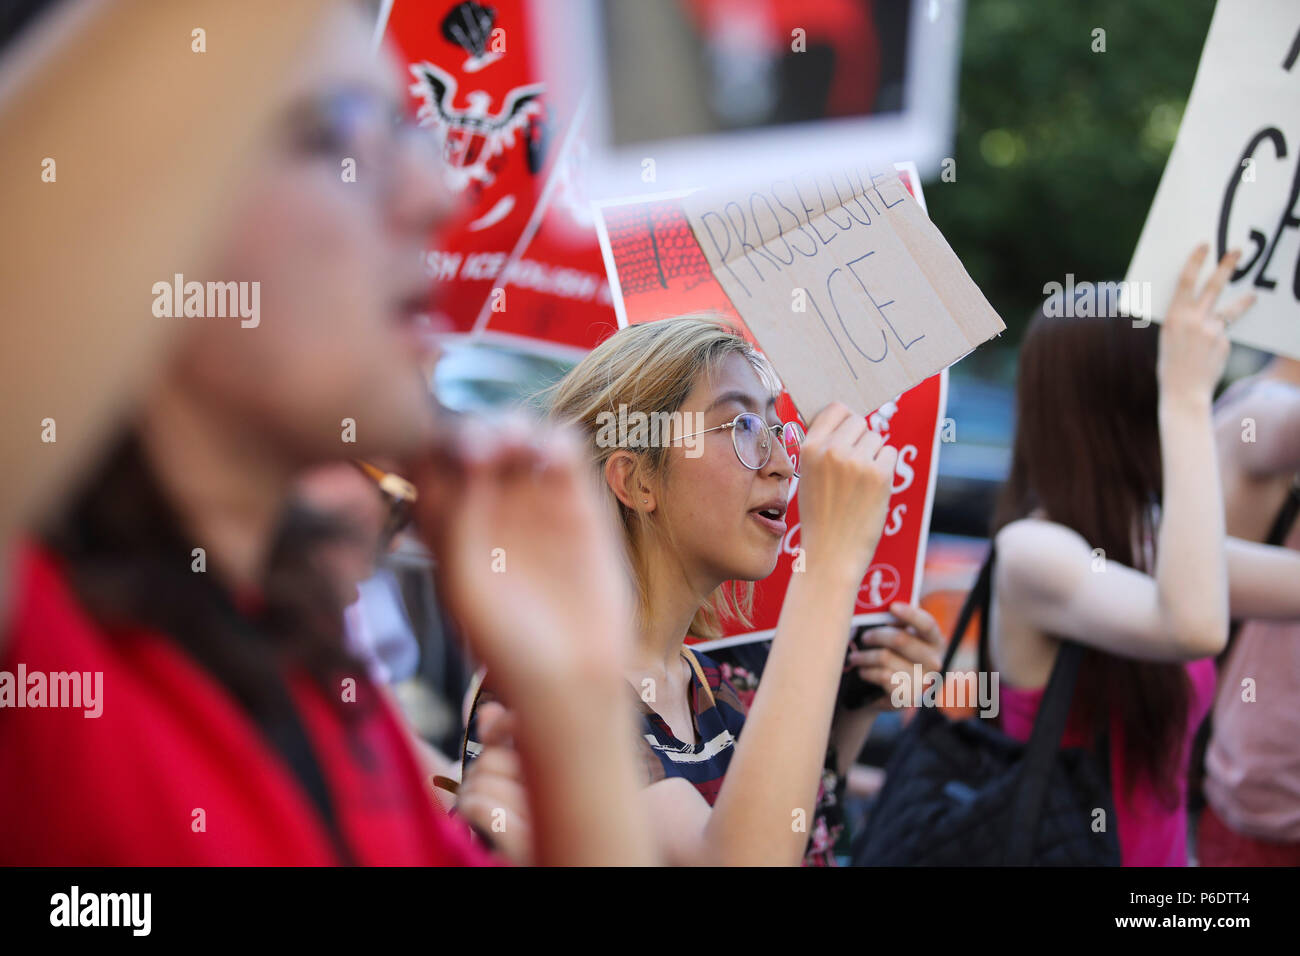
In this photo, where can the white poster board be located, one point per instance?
(1233, 179)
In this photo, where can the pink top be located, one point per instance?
(1150, 833)
(1252, 767)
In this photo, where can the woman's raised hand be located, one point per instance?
(527, 561)
(531, 567)
(1193, 343)
(846, 473)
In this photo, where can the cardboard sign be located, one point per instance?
(1233, 179)
(658, 271)
(850, 289)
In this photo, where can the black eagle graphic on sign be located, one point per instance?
(475, 135)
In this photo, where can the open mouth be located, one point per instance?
(772, 518)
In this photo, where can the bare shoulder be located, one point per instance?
(1257, 395)
(1037, 535)
(1039, 559)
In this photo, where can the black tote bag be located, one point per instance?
(963, 793)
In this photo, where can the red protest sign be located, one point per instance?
(521, 258)
(657, 271)
(910, 424)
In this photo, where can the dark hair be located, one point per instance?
(17, 16)
(1087, 452)
(129, 560)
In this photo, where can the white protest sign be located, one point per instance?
(847, 285)
(1233, 179)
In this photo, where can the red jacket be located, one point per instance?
(127, 787)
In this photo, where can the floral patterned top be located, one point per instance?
(721, 694)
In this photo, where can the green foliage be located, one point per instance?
(1059, 149)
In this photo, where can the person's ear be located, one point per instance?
(623, 475)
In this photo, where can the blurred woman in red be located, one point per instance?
(234, 727)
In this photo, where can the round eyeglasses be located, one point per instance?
(753, 439)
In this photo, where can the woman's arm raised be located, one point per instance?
(553, 628)
(1263, 581)
(771, 784)
(1050, 574)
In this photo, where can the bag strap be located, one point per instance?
(976, 599)
(1286, 514)
(1044, 742)
(476, 684)
(284, 731)
(699, 672)
(288, 736)
(1049, 724)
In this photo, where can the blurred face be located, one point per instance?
(342, 491)
(713, 505)
(332, 225)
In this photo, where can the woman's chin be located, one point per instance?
(757, 567)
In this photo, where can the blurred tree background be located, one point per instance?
(1059, 149)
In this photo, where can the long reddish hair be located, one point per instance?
(1087, 452)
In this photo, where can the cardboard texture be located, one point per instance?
(846, 284)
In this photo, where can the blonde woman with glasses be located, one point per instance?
(703, 513)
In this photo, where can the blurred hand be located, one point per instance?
(891, 650)
(846, 471)
(1193, 344)
(492, 797)
(527, 561)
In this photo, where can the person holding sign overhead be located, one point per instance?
(724, 785)
(1110, 533)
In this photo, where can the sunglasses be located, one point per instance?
(753, 439)
(397, 491)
